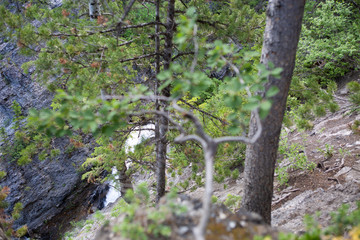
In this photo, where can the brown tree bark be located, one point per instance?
(124, 179)
(162, 122)
(283, 26)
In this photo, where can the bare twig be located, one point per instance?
(143, 163)
(338, 167)
(138, 57)
(203, 112)
(182, 54)
(334, 179)
(292, 190)
(279, 200)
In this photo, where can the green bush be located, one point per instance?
(329, 41)
(354, 88)
(328, 49)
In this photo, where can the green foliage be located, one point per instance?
(355, 126)
(17, 209)
(233, 202)
(295, 156)
(328, 151)
(20, 232)
(343, 223)
(327, 50)
(7, 221)
(27, 141)
(153, 220)
(2, 174)
(354, 88)
(342, 220)
(214, 199)
(282, 175)
(18, 115)
(103, 118)
(329, 39)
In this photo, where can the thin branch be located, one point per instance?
(138, 57)
(196, 50)
(183, 138)
(199, 129)
(183, 3)
(212, 24)
(292, 190)
(89, 33)
(163, 114)
(338, 167)
(285, 196)
(182, 54)
(143, 163)
(149, 98)
(202, 111)
(119, 24)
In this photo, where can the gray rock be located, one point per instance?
(51, 191)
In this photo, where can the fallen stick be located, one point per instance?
(340, 166)
(292, 190)
(334, 179)
(279, 200)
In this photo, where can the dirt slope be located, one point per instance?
(335, 148)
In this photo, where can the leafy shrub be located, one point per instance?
(27, 141)
(232, 202)
(329, 41)
(344, 225)
(328, 49)
(354, 88)
(296, 156)
(152, 223)
(7, 221)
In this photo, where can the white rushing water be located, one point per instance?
(135, 138)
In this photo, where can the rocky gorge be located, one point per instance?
(51, 190)
(55, 198)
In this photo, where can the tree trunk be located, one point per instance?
(162, 122)
(94, 9)
(124, 179)
(283, 26)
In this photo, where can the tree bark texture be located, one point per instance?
(94, 8)
(283, 26)
(162, 122)
(124, 179)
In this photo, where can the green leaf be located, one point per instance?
(276, 72)
(250, 106)
(93, 126)
(60, 121)
(273, 90)
(266, 105)
(264, 109)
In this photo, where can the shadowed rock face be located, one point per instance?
(51, 191)
(16, 86)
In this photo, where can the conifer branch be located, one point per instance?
(203, 112)
(182, 54)
(138, 57)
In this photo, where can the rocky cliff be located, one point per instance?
(51, 191)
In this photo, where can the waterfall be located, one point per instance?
(135, 138)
